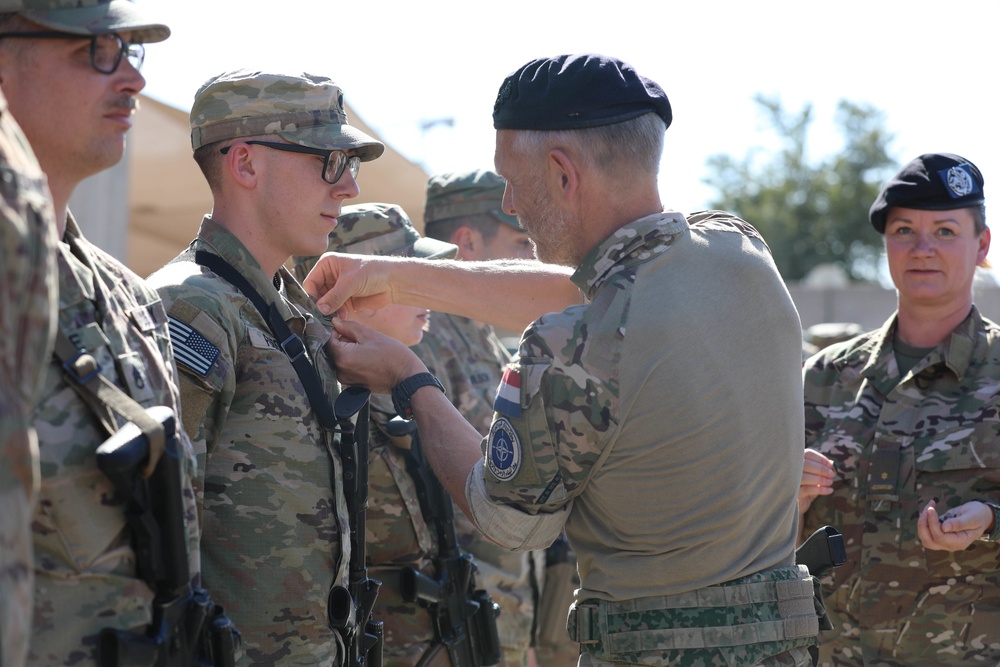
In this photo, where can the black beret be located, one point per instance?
(931, 182)
(573, 92)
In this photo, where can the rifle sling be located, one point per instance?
(103, 396)
(290, 343)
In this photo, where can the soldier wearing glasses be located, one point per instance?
(87, 53)
(281, 159)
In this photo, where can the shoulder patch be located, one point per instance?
(508, 400)
(191, 348)
(503, 452)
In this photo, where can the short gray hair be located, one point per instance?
(628, 149)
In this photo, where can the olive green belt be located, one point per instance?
(791, 599)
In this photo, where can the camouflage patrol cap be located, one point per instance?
(302, 108)
(464, 194)
(931, 182)
(377, 229)
(89, 17)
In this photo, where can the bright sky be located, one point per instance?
(932, 67)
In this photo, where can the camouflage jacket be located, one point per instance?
(624, 419)
(934, 433)
(469, 360)
(85, 564)
(273, 507)
(28, 303)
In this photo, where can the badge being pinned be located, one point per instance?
(503, 454)
(508, 400)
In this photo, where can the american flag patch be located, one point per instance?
(191, 348)
(508, 400)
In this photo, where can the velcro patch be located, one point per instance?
(503, 453)
(508, 400)
(191, 348)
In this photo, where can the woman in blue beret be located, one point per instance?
(903, 454)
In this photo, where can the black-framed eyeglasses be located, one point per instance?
(334, 163)
(106, 49)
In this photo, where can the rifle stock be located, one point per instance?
(179, 634)
(464, 617)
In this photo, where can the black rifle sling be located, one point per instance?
(290, 342)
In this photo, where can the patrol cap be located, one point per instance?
(931, 182)
(467, 193)
(573, 92)
(89, 17)
(302, 108)
(377, 229)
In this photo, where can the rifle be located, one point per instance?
(465, 618)
(349, 609)
(187, 627)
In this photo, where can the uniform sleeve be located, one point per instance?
(555, 412)
(205, 356)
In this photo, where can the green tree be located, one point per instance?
(811, 214)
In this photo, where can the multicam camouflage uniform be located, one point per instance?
(469, 359)
(27, 324)
(85, 565)
(937, 429)
(275, 521)
(397, 532)
(638, 422)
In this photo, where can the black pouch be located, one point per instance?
(883, 476)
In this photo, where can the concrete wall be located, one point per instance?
(869, 305)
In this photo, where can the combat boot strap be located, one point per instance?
(588, 621)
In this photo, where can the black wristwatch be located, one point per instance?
(994, 534)
(402, 392)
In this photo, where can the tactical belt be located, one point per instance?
(588, 621)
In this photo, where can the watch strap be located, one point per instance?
(403, 392)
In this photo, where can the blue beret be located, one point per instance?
(931, 182)
(573, 92)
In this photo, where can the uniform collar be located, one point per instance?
(628, 246)
(215, 238)
(956, 352)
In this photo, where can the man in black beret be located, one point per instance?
(901, 431)
(659, 422)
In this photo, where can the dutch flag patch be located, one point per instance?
(508, 400)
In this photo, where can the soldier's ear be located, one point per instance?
(563, 173)
(240, 166)
(468, 240)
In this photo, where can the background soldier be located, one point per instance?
(622, 418)
(85, 570)
(28, 311)
(281, 159)
(902, 440)
(465, 208)
(400, 533)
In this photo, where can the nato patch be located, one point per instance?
(508, 400)
(191, 348)
(503, 454)
(958, 181)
